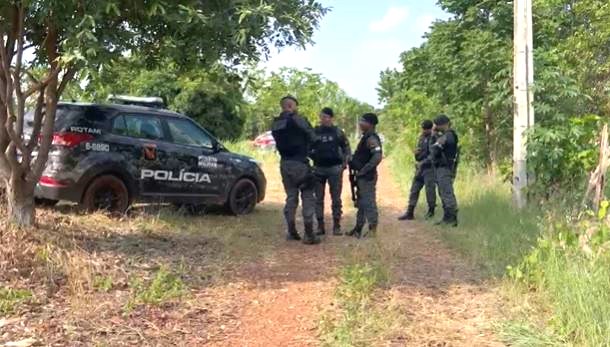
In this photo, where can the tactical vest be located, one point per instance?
(327, 150)
(363, 155)
(290, 140)
(449, 155)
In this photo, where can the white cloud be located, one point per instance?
(423, 23)
(291, 57)
(391, 20)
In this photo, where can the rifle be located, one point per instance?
(353, 182)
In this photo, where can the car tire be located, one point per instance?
(45, 202)
(243, 197)
(106, 193)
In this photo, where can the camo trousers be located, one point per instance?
(425, 179)
(444, 179)
(334, 176)
(367, 202)
(296, 180)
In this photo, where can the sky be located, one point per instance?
(360, 38)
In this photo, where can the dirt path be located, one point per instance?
(281, 297)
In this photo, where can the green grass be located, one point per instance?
(558, 295)
(491, 233)
(361, 317)
(10, 299)
(164, 287)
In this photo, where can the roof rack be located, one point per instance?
(154, 101)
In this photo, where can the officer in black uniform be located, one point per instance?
(424, 174)
(294, 137)
(444, 156)
(367, 157)
(331, 154)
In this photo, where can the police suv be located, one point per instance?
(107, 156)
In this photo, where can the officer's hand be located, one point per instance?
(417, 151)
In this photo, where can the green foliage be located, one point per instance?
(465, 67)
(103, 283)
(313, 92)
(561, 156)
(212, 96)
(10, 299)
(358, 321)
(491, 233)
(164, 287)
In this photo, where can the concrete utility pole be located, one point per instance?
(523, 75)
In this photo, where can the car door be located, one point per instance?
(207, 175)
(151, 156)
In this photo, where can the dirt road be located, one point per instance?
(284, 295)
(160, 278)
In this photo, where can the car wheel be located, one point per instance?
(45, 202)
(243, 197)
(107, 193)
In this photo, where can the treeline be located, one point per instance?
(464, 68)
(231, 102)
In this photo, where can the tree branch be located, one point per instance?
(67, 77)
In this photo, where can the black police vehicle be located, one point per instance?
(107, 156)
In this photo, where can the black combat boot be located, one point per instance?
(337, 227)
(310, 238)
(292, 234)
(372, 231)
(445, 218)
(409, 215)
(357, 231)
(321, 229)
(449, 219)
(430, 213)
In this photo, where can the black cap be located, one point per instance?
(289, 97)
(427, 124)
(441, 120)
(328, 111)
(370, 118)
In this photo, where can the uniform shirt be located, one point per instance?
(334, 135)
(374, 146)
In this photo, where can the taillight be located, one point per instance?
(52, 182)
(71, 139)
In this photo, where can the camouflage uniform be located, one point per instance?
(294, 137)
(444, 157)
(424, 177)
(330, 154)
(367, 157)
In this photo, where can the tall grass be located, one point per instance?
(559, 295)
(491, 232)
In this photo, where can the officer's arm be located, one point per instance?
(420, 153)
(375, 148)
(344, 143)
(304, 125)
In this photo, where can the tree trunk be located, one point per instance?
(491, 160)
(20, 202)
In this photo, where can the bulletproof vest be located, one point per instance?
(450, 152)
(327, 150)
(363, 154)
(424, 146)
(290, 140)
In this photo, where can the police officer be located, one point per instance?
(424, 175)
(366, 158)
(444, 155)
(330, 155)
(294, 137)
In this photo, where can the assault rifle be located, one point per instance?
(353, 182)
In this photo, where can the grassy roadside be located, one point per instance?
(556, 293)
(362, 315)
(150, 266)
